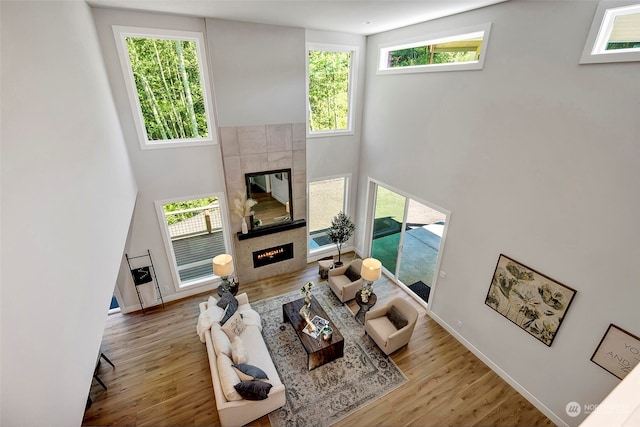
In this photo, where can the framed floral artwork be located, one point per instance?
(531, 300)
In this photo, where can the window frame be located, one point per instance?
(120, 33)
(594, 49)
(433, 38)
(345, 208)
(353, 72)
(166, 239)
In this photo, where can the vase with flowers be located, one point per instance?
(242, 207)
(365, 293)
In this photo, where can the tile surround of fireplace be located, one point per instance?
(245, 248)
(249, 149)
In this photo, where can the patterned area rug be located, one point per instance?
(332, 391)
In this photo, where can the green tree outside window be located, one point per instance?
(329, 74)
(169, 88)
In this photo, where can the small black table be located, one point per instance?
(364, 306)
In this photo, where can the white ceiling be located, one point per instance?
(349, 16)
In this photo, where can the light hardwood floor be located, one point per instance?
(162, 375)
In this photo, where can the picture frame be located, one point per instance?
(618, 351)
(533, 301)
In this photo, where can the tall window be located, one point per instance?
(614, 35)
(330, 83)
(193, 234)
(166, 78)
(461, 50)
(327, 197)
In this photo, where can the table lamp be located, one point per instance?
(371, 270)
(223, 267)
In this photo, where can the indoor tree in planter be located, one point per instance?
(341, 230)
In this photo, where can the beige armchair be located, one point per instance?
(391, 325)
(345, 281)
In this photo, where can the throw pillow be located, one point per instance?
(228, 378)
(238, 352)
(352, 274)
(234, 326)
(230, 310)
(253, 390)
(225, 299)
(250, 372)
(221, 343)
(397, 318)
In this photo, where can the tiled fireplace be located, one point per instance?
(272, 255)
(250, 149)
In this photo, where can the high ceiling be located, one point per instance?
(351, 16)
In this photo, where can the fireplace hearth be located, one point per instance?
(272, 255)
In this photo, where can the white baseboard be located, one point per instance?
(172, 297)
(495, 368)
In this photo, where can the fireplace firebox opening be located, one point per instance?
(272, 255)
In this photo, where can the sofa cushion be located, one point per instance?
(228, 378)
(232, 307)
(352, 274)
(397, 318)
(238, 352)
(253, 390)
(225, 298)
(220, 340)
(249, 372)
(234, 326)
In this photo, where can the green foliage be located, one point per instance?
(187, 204)
(341, 230)
(168, 84)
(422, 56)
(329, 90)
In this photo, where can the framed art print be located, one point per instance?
(618, 351)
(531, 300)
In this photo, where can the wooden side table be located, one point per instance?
(364, 306)
(324, 265)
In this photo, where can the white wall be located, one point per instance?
(258, 72)
(537, 158)
(161, 174)
(67, 197)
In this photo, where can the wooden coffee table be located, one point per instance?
(318, 350)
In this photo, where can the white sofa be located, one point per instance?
(240, 412)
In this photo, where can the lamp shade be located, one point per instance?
(223, 265)
(371, 269)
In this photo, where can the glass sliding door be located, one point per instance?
(420, 247)
(406, 238)
(388, 223)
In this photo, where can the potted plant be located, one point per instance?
(341, 230)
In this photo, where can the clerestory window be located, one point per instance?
(615, 33)
(462, 49)
(167, 83)
(331, 71)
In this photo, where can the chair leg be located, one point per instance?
(99, 381)
(107, 359)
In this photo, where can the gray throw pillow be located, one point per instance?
(397, 318)
(249, 372)
(253, 390)
(231, 309)
(352, 274)
(225, 299)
